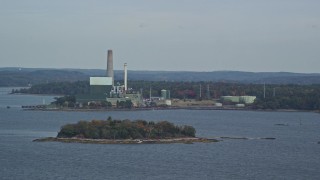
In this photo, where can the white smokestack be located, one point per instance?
(125, 77)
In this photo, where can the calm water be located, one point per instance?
(294, 154)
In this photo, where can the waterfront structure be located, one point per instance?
(238, 99)
(121, 93)
(163, 94)
(104, 88)
(240, 105)
(100, 85)
(232, 99)
(247, 99)
(163, 100)
(218, 104)
(135, 98)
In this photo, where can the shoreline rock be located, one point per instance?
(127, 141)
(34, 108)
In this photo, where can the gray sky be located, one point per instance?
(187, 35)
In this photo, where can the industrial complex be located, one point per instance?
(104, 88)
(104, 93)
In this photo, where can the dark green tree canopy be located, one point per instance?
(124, 129)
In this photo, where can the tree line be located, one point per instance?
(61, 88)
(124, 129)
(286, 96)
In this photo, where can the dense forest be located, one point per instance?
(291, 97)
(58, 88)
(304, 97)
(24, 78)
(125, 129)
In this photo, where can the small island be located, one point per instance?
(126, 132)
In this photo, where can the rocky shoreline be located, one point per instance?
(44, 108)
(188, 140)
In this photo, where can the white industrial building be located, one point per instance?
(238, 99)
(103, 88)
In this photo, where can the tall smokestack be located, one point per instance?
(125, 77)
(110, 65)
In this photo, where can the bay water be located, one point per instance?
(293, 154)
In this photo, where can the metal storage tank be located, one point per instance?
(234, 99)
(240, 105)
(247, 99)
(218, 104)
(163, 94)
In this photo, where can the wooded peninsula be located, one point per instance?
(276, 96)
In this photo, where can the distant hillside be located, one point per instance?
(227, 76)
(215, 76)
(24, 76)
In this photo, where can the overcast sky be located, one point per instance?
(187, 35)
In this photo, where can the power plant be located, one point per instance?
(104, 88)
(105, 92)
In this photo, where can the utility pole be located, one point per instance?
(200, 91)
(208, 91)
(150, 93)
(274, 92)
(264, 90)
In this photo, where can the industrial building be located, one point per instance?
(104, 88)
(238, 99)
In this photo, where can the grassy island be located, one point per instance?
(126, 132)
